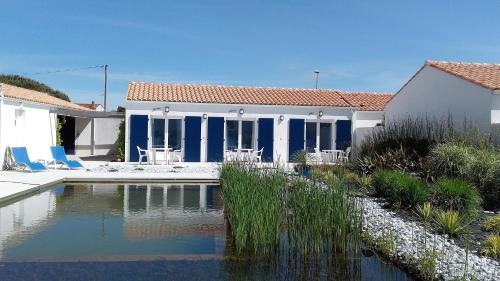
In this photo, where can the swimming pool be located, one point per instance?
(146, 232)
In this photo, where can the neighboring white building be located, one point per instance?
(439, 90)
(96, 136)
(28, 118)
(205, 121)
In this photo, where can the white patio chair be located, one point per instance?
(143, 153)
(344, 157)
(257, 155)
(318, 155)
(228, 156)
(176, 154)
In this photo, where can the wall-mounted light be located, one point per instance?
(241, 111)
(205, 116)
(167, 109)
(282, 117)
(320, 113)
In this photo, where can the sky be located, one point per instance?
(356, 45)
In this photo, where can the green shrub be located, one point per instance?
(401, 189)
(456, 194)
(450, 159)
(492, 224)
(449, 222)
(120, 145)
(491, 246)
(478, 164)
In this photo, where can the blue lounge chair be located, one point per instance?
(21, 158)
(60, 158)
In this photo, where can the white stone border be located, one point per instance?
(411, 238)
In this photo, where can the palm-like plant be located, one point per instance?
(449, 222)
(425, 212)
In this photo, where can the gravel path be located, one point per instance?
(411, 240)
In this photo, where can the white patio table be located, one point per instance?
(332, 155)
(166, 154)
(244, 154)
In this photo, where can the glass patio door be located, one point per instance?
(240, 134)
(325, 136)
(247, 139)
(158, 133)
(175, 134)
(231, 135)
(318, 136)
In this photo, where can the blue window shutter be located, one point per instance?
(192, 139)
(295, 137)
(344, 134)
(266, 138)
(138, 135)
(215, 139)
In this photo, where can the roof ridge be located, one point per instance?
(430, 62)
(52, 100)
(235, 86)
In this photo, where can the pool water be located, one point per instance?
(146, 232)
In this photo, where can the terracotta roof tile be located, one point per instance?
(483, 74)
(92, 106)
(166, 92)
(14, 92)
(364, 101)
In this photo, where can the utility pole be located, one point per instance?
(105, 86)
(317, 77)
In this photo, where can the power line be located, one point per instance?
(64, 70)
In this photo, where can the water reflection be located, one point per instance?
(170, 232)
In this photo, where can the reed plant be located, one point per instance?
(322, 216)
(427, 263)
(253, 202)
(266, 210)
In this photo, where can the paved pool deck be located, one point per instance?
(18, 183)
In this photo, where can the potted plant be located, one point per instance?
(301, 166)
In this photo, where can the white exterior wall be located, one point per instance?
(366, 122)
(433, 93)
(251, 112)
(82, 137)
(31, 125)
(105, 136)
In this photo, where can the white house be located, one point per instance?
(440, 90)
(28, 118)
(205, 121)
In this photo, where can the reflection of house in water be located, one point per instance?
(177, 216)
(155, 211)
(25, 217)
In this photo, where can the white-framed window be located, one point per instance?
(318, 135)
(240, 134)
(167, 132)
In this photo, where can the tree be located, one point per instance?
(24, 82)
